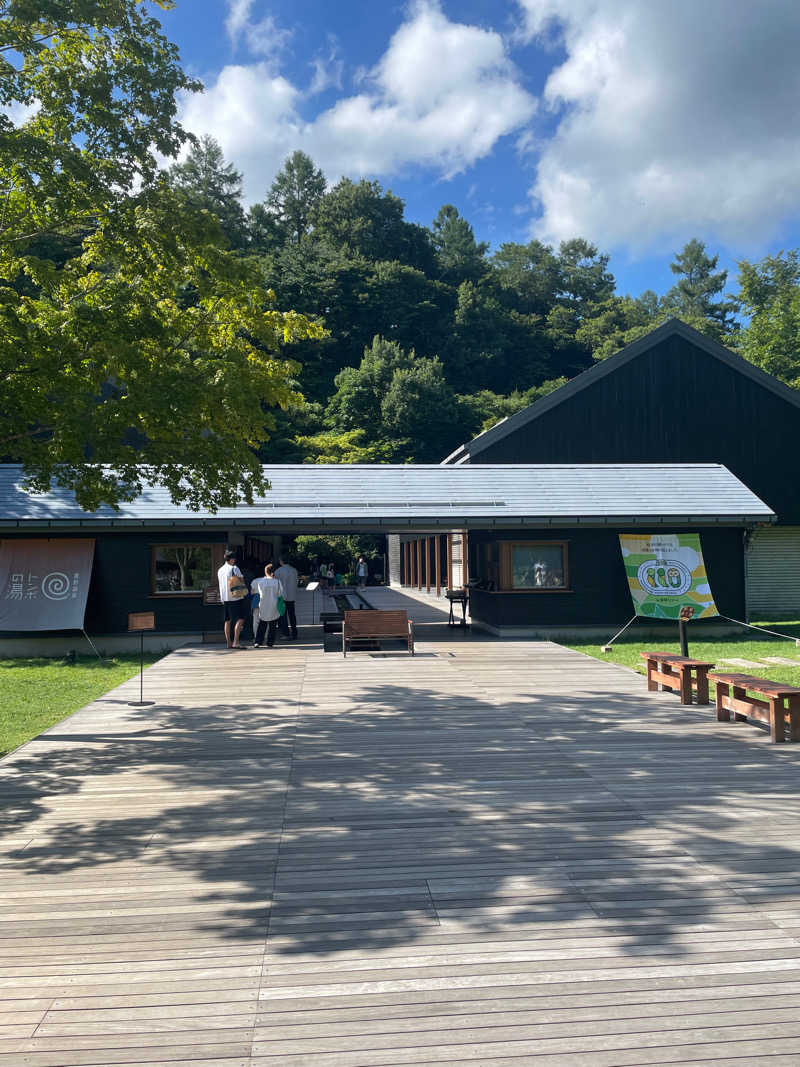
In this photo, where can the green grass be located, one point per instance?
(36, 693)
(750, 645)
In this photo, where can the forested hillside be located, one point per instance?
(430, 335)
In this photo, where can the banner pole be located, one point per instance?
(141, 666)
(683, 638)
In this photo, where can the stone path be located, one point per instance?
(497, 853)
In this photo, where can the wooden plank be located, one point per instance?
(503, 852)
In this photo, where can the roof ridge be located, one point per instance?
(510, 423)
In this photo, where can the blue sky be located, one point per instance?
(637, 125)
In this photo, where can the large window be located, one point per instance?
(182, 568)
(535, 565)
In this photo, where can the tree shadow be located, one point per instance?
(391, 814)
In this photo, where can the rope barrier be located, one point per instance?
(763, 629)
(607, 646)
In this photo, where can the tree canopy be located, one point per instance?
(133, 343)
(141, 325)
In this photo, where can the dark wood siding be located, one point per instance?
(121, 584)
(674, 403)
(599, 589)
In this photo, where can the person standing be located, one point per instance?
(233, 594)
(287, 576)
(361, 572)
(269, 589)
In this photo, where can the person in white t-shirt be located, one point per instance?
(269, 589)
(287, 575)
(236, 607)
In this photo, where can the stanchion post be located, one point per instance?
(684, 615)
(138, 622)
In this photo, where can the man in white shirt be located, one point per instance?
(287, 575)
(236, 608)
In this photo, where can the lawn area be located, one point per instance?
(36, 693)
(749, 645)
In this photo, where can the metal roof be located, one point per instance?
(398, 498)
(511, 423)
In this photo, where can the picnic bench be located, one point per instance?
(780, 710)
(675, 673)
(374, 625)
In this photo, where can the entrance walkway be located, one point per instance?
(497, 853)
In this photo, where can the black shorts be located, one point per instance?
(237, 609)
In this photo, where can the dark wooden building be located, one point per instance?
(674, 396)
(564, 519)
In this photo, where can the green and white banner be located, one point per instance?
(666, 573)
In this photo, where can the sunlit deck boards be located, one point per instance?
(498, 853)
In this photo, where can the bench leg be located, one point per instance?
(739, 694)
(686, 685)
(777, 721)
(794, 717)
(723, 715)
(702, 685)
(651, 685)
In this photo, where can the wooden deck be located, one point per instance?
(498, 853)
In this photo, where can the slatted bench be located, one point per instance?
(374, 625)
(781, 709)
(675, 674)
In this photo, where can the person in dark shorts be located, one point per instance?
(236, 607)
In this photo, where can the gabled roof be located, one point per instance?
(672, 327)
(431, 496)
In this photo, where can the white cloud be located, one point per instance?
(260, 37)
(328, 69)
(675, 119)
(441, 97)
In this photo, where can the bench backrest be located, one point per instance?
(376, 623)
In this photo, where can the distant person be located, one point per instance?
(233, 594)
(362, 571)
(269, 589)
(287, 576)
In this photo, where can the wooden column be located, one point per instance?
(464, 559)
(427, 564)
(449, 561)
(419, 563)
(437, 562)
(407, 562)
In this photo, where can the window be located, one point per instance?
(182, 568)
(535, 565)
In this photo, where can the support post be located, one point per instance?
(683, 638)
(437, 562)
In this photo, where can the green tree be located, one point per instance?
(528, 277)
(360, 217)
(696, 297)
(147, 348)
(618, 321)
(347, 447)
(293, 197)
(213, 185)
(459, 256)
(402, 401)
(484, 409)
(342, 550)
(769, 292)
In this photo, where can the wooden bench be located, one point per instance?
(373, 625)
(780, 710)
(675, 673)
